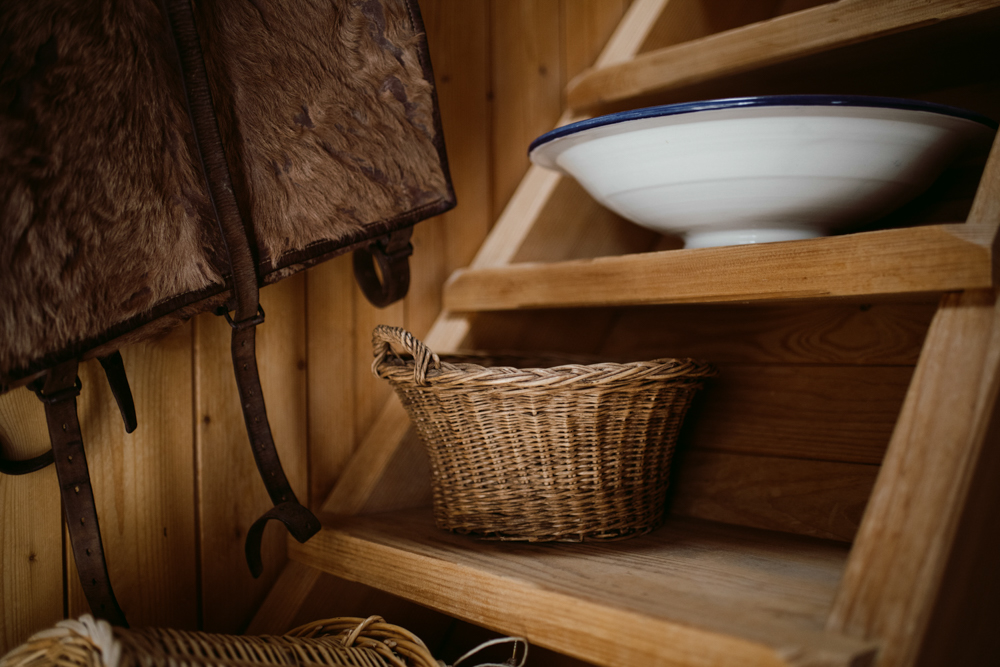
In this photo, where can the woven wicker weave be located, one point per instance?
(348, 642)
(573, 452)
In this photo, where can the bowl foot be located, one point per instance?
(745, 236)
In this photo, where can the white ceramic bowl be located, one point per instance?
(756, 169)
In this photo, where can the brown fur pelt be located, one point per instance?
(330, 130)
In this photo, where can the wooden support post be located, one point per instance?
(896, 572)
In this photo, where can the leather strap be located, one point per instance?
(302, 524)
(390, 282)
(114, 370)
(58, 392)
(213, 156)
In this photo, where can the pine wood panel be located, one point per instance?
(824, 413)
(565, 332)
(587, 25)
(689, 593)
(687, 20)
(231, 495)
(331, 372)
(458, 36)
(875, 333)
(815, 498)
(573, 226)
(893, 261)
(851, 333)
(370, 393)
(757, 45)
(31, 563)
(532, 193)
(527, 86)
(143, 484)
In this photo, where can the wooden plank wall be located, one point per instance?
(176, 497)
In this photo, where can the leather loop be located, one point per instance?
(301, 523)
(383, 268)
(24, 466)
(114, 370)
(252, 322)
(58, 393)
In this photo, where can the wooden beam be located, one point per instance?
(895, 571)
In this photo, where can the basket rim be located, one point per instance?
(400, 370)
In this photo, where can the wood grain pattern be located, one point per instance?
(874, 333)
(527, 86)
(458, 35)
(815, 498)
(330, 295)
(632, 33)
(867, 333)
(587, 26)
(688, 20)
(231, 495)
(573, 226)
(894, 261)
(922, 492)
(143, 484)
(738, 50)
(276, 615)
(966, 612)
(681, 595)
(824, 413)
(370, 393)
(31, 558)
(563, 332)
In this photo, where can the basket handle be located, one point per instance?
(384, 337)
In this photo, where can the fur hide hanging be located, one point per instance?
(329, 120)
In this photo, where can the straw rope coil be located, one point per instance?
(570, 452)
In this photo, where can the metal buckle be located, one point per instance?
(251, 322)
(56, 396)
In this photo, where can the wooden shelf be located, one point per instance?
(693, 592)
(757, 45)
(701, 593)
(935, 258)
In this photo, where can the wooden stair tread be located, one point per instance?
(913, 260)
(689, 588)
(756, 45)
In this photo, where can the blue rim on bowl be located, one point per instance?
(761, 101)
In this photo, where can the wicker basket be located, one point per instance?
(572, 452)
(346, 642)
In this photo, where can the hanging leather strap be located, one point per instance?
(58, 391)
(383, 268)
(114, 370)
(301, 523)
